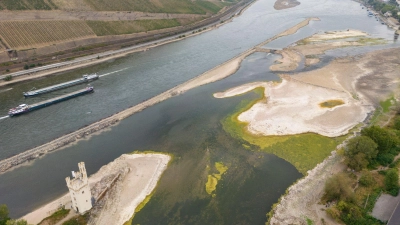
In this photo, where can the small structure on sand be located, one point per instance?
(79, 190)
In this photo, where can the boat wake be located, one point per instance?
(1, 91)
(113, 72)
(4, 117)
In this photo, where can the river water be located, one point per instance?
(188, 126)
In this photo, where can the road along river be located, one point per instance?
(186, 126)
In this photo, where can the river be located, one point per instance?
(188, 126)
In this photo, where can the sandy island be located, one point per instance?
(285, 4)
(359, 82)
(219, 72)
(293, 107)
(142, 174)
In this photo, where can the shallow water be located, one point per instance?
(185, 126)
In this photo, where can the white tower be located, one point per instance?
(79, 190)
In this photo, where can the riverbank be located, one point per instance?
(215, 74)
(370, 78)
(142, 174)
(99, 57)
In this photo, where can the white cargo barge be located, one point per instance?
(85, 78)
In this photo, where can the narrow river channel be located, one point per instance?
(187, 126)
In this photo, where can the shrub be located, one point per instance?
(8, 78)
(338, 187)
(392, 182)
(366, 179)
(26, 66)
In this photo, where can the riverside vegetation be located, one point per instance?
(304, 151)
(373, 170)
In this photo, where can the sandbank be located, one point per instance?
(285, 4)
(215, 74)
(144, 172)
(292, 107)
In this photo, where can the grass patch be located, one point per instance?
(304, 151)
(78, 220)
(387, 104)
(55, 217)
(331, 103)
(213, 179)
(102, 28)
(371, 41)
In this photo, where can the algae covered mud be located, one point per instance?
(214, 177)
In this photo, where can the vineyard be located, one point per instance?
(27, 4)
(102, 28)
(23, 34)
(157, 6)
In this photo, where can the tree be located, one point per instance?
(337, 187)
(396, 124)
(386, 140)
(392, 182)
(3, 214)
(360, 151)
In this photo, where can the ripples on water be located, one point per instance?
(184, 126)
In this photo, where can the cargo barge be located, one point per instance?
(85, 78)
(25, 108)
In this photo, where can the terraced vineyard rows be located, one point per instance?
(27, 4)
(102, 28)
(20, 34)
(156, 6)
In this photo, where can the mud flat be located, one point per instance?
(293, 107)
(285, 4)
(137, 176)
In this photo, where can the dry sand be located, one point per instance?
(336, 35)
(145, 171)
(292, 107)
(212, 75)
(290, 61)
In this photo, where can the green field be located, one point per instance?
(304, 151)
(102, 28)
(156, 6)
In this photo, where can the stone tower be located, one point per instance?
(79, 190)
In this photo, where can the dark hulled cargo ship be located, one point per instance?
(25, 108)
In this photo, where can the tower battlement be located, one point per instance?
(79, 189)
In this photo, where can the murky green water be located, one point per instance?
(187, 126)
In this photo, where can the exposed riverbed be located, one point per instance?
(188, 126)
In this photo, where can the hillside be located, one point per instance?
(150, 6)
(43, 31)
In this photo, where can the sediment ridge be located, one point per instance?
(217, 73)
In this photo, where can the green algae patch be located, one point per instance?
(304, 151)
(331, 103)
(213, 179)
(139, 207)
(211, 184)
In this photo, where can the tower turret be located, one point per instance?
(79, 190)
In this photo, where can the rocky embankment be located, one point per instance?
(219, 72)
